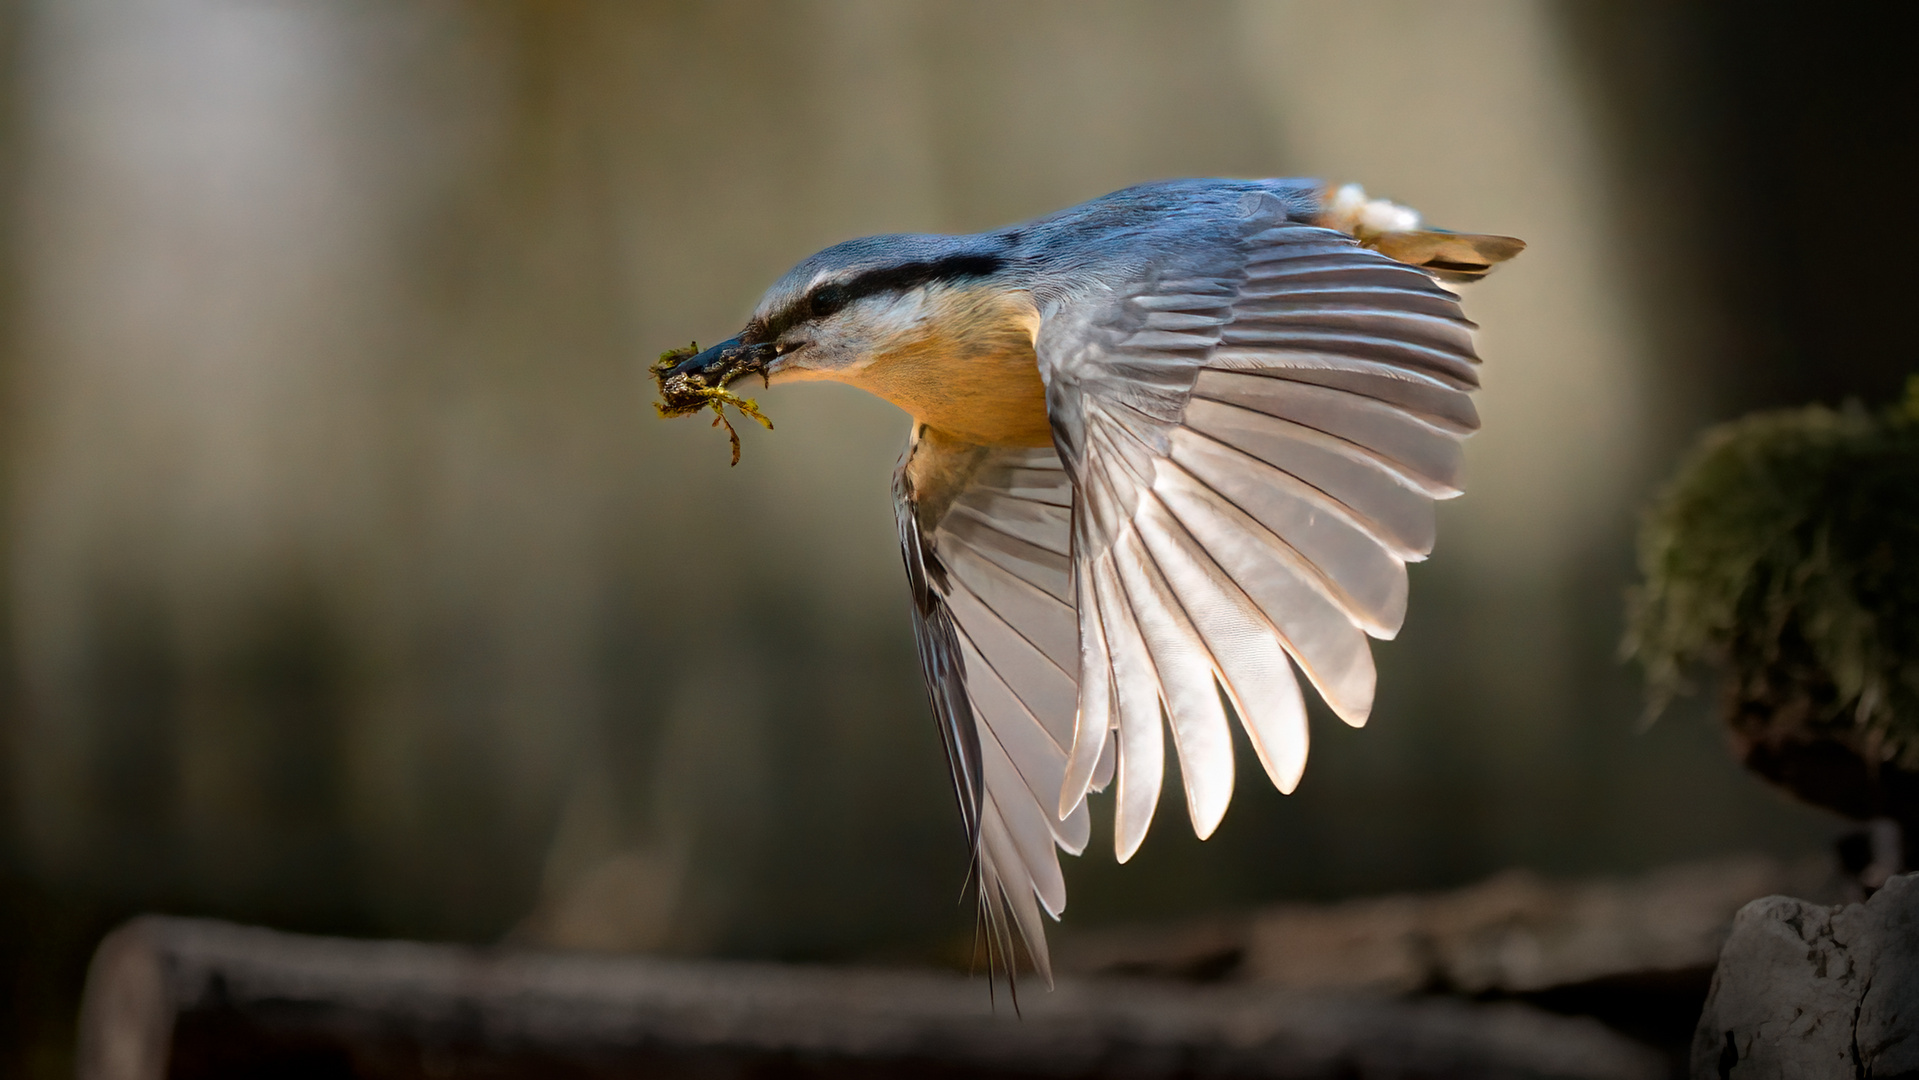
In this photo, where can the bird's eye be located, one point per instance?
(828, 299)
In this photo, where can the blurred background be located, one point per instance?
(350, 584)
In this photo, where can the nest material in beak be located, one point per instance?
(685, 393)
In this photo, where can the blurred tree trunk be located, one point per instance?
(1775, 142)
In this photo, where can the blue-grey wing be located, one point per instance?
(1256, 417)
(986, 535)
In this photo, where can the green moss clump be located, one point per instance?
(1785, 553)
(684, 394)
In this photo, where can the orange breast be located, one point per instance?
(969, 372)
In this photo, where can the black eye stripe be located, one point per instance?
(826, 300)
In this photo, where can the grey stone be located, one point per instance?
(1808, 991)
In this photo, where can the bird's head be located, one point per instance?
(837, 311)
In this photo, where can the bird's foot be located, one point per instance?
(1398, 232)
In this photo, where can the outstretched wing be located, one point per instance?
(986, 536)
(1256, 422)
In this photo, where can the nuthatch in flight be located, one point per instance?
(1171, 449)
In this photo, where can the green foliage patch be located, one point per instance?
(1785, 554)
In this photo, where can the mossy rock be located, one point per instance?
(1784, 555)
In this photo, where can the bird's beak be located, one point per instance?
(716, 366)
(689, 380)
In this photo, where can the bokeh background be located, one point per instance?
(350, 584)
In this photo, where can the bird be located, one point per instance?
(1171, 451)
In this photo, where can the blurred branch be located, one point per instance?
(191, 998)
(1514, 933)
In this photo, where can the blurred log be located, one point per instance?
(1514, 933)
(1805, 990)
(198, 999)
